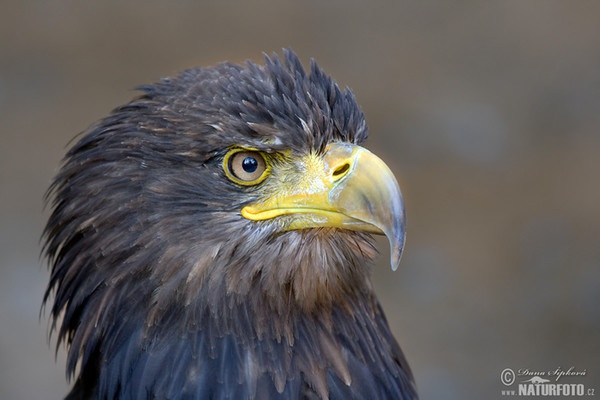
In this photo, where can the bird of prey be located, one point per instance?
(212, 239)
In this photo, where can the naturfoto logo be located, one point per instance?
(552, 382)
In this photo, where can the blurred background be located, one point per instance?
(487, 112)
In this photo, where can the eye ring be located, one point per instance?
(245, 167)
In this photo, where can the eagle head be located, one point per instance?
(206, 234)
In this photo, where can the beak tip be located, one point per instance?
(396, 249)
(395, 256)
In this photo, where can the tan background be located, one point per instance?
(488, 112)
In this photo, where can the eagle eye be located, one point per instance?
(245, 167)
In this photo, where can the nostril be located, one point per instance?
(341, 170)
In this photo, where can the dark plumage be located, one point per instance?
(167, 283)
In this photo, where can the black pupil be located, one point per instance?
(249, 164)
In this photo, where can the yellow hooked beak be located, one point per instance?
(347, 187)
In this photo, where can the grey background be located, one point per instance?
(487, 112)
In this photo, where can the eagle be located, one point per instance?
(212, 239)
